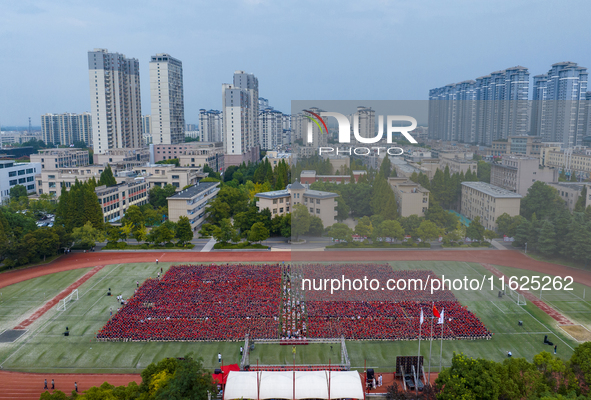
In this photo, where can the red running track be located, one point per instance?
(28, 386)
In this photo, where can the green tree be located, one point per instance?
(141, 233)
(475, 230)
(340, 232)
(208, 229)
(160, 234)
(87, 235)
(507, 225)
(581, 200)
(581, 364)
(442, 218)
(389, 229)
(286, 226)
(18, 191)
(489, 235)
(126, 230)
(342, 209)
(469, 378)
(300, 220)
(483, 171)
(316, 226)
(578, 238)
(41, 243)
(225, 232)
(157, 195)
(190, 381)
(258, 232)
(427, 231)
(107, 177)
(56, 395)
(184, 233)
(410, 223)
(134, 215)
(113, 234)
(542, 200)
(364, 227)
(547, 239)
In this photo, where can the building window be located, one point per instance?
(311, 209)
(274, 211)
(317, 201)
(12, 182)
(274, 201)
(281, 210)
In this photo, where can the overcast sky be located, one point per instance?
(383, 50)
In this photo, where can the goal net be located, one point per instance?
(63, 302)
(516, 297)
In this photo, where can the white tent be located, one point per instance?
(280, 385)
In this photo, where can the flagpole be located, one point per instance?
(419, 355)
(431, 341)
(442, 323)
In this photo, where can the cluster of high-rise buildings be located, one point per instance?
(245, 124)
(497, 106)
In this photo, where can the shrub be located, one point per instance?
(169, 245)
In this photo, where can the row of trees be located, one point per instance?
(547, 226)
(276, 177)
(547, 377)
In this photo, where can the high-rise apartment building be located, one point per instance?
(65, 129)
(240, 108)
(147, 129)
(167, 104)
(115, 101)
(364, 121)
(270, 129)
(479, 111)
(210, 125)
(559, 112)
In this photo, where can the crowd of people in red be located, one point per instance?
(226, 302)
(392, 314)
(201, 302)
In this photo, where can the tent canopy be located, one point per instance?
(280, 384)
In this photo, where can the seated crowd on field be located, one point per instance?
(226, 302)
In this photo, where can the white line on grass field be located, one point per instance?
(49, 320)
(498, 307)
(539, 322)
(523, 333)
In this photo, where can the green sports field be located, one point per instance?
(45, 349)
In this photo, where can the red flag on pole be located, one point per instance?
(435, 312)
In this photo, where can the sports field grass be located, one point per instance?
(44, 348)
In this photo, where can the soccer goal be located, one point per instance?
(71, 297)
(516, 296)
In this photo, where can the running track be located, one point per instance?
(30, 386)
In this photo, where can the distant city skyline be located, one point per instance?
(373, 50)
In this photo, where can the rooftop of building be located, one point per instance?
(193, 191)
(492, 190)
(570, 185)
(60, 150)
(275, 194)
(103, 189)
